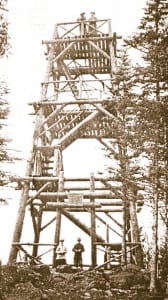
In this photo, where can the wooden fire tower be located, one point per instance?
(75, 94)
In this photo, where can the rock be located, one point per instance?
(109, 293)
(44, 270)
(44, 296)
(87, 295)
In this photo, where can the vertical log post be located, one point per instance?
(38, 171)
(58, 216)
(111, 48)
(93, 224)
(124, 208)
(19, 223)
(36, 215)
(21, 212)
(107, 233)
(38, 229)
(107, 249)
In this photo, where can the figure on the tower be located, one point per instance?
(82, 26)
(92, 24)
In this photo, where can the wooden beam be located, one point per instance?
(55, 178)
(109, 147)
(62, 53)
(52, 196)
(31, 244)
(72, 132)
(47, 224)
(114, 220)
(77, 22)
(106, 224)
(64, 103)
(78, 223)
(74, 80)
(115, 210)
(106, 112)
(68, 205)
(82, 188)
(77, 39)
(53, 113)
(30, 200)
(118, 194)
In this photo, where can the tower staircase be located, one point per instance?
(75, 94)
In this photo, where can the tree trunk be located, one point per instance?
(135, 234)
(154, 246)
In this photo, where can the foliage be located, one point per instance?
(4, 110)
(4, 35)
(151, 41)
(128, 145)
(4, 106)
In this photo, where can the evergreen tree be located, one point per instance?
(151, 41)
(127, 142)
(4, 107)
(4, 110)
(4, 36)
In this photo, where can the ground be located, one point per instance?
(22, 282)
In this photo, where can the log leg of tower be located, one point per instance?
(123, 258)
(37, 235)
(21, 213)
(25, 192)
(128, 237)
(58, 215)
(93, 225)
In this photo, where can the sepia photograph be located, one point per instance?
(83, 150)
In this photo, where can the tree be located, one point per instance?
(4, 110)
(4, 37)
(4, 107)
(151, 41)
(127, 142)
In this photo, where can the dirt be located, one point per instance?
(22, 282)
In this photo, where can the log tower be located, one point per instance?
(74, 99)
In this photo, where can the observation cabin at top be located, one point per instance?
(75, 97)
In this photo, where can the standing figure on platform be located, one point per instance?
(61, 251)
(82, 26)
(78, 249)
(92, 24)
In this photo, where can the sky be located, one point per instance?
(31, 21)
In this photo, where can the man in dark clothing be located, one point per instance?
(78, 249)
(82, 25)
(92, 24)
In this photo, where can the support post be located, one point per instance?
(21, 213)
(38, 229)
(124, 257)
(93, 224)
(58, 216)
